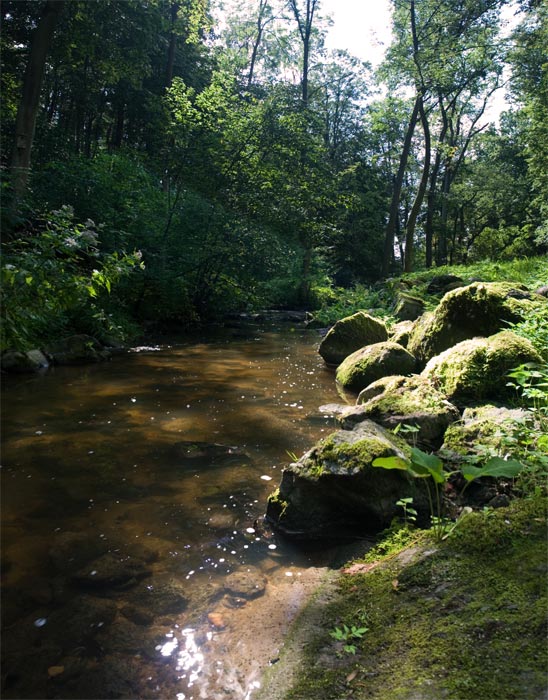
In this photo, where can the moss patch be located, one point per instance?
(373, 362)
(476, 369)
(480, 309)
(350, 334)
(465, 619)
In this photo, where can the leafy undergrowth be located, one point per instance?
(464, 619)
(379, 299)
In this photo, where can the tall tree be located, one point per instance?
(28, 107)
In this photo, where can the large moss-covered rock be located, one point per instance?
(373, 362)
(486, 427)
(408, 307)
(412, 401)
(349, 334)
(401, 333)
(333, 490)
(480, 309)
(476, 369)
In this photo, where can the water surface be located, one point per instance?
(134, 557)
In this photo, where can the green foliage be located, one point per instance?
(409, 513)
(53, 274)
(348, 635)
(534, 327)
(428, 466)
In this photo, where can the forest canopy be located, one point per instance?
(165, 162)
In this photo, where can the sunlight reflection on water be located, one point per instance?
(87, 475)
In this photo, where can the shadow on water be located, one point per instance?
(134, 560)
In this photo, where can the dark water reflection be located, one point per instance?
(133, 563)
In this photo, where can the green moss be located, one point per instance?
(365, 366)
(466, 620)
(480, 309)
(351, 333)
(477, 368)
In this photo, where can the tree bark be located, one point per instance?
(28, 106)
(417, 204)
(390, 231)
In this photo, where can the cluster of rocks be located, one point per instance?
(434, 376)
(75, 350)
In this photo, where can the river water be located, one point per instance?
(135, 560)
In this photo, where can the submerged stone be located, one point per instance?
(349, 334)
(373, 362)
(476, 369)
(333, 490)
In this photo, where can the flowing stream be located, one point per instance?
(135, 561)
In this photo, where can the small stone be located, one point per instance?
(216, 619)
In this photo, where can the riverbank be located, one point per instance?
(463, 619)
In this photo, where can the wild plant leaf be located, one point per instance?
(494, 467)
(427, 465)
(391, 463)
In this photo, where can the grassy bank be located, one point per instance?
(464, 619)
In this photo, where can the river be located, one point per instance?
(135, 561)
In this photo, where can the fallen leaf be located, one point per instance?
(55, 671)
(360, 568)
(351, 676)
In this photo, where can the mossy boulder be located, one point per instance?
(408, 307)
(349, 334)
(333, 490)
(401, 333)
(441, 284)
(480, 309)
(487, 427)
(373, 362)
(476, 369)
(412, 401)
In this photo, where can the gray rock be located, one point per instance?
(24, 362)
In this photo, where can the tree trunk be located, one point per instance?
(396, 194)
(417, 204)
(28, 106)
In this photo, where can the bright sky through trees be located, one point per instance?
(363, 27)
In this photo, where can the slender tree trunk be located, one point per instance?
(28, 106)
(172, 44)
(396, 194)
(417, 204)
(263, 4)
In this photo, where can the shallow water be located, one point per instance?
(135, 561)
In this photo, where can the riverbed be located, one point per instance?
(136, 563)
